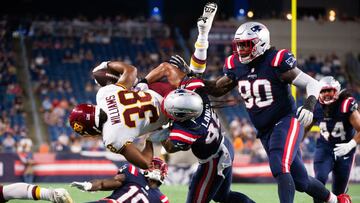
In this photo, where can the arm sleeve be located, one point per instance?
(349, 105)
(181, 137)
(312, 86)
(283, 61)
(229, 68)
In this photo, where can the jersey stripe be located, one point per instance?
(229, 62)
(185, 133)
(291, 138)
(346, 104)
(278, 58)
(182, 138)
(120, 85)
(164, 199)
(133, 170)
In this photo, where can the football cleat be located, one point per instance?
(205, 21)
(344, 198)
(61, 195)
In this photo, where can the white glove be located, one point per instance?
(305, 117)
(84, 186)
(344, 148)
(159, 136)
(103, 65)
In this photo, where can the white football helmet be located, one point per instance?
(251, 40)
(182, 104)
(330, 89)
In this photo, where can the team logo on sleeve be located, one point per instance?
(290, 61)
(354, 106)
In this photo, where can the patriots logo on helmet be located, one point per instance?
(256, 28)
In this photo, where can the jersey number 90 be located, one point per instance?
(257, 93)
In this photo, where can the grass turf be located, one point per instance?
(266, 193)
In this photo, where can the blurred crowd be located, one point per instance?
(60, 63)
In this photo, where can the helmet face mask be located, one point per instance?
(251, 40)
(158, 171)
(330, 89)
(182, 104)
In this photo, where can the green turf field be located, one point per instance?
(266, 193)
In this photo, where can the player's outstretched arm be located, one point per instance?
(128, 73)
(220, 87)
(344, 148)
(165, 70)
(100, 184)
(312, 86)
(169, 146)
(139, 158)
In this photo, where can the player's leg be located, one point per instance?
(282, 146)
(323, 164)
(201, 182)
(220, 189)
(198, 59)
(34, 192)
(341, 173)
(310, 185)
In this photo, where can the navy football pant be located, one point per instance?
(325, 162)
(207, 185)
(282, 147)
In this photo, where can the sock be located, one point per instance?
(317, 190)
(198, 59)
(238, 197)
(286, 188)
(21, 191)
(45, 194)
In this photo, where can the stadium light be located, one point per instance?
(332, 15)
(289, 16)
(332, 18)
(250, 14)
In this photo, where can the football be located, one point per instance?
(105, 77)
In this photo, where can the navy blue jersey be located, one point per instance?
(202, 135)
(266, 96)
(334, 122)
(135, 188)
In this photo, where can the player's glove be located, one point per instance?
(141, 85)
(84, 186)
(160, 135)
(344, 148)
(305, 113)
(180, 63)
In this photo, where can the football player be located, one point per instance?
(263, 75)
(131, 184)
(33, 192)
(121, 115)
(196, 126)
(338, 117)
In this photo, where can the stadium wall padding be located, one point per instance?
(68, 167)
